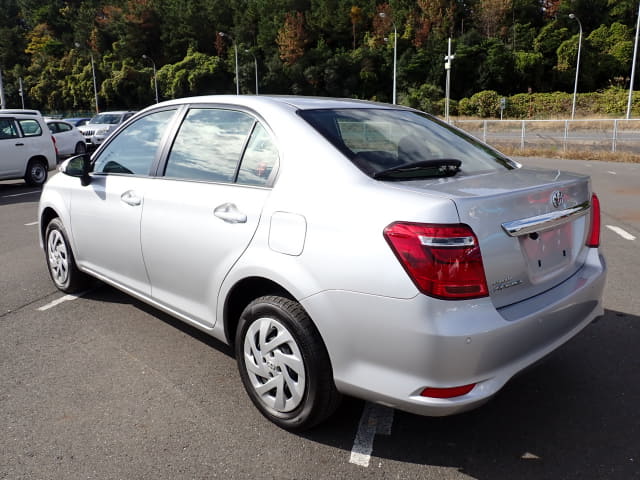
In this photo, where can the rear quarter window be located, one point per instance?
(30, 128)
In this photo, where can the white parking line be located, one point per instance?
(375, 419)
(30, 224)
(611, 172)
(60, 300)
(20, 194)
(623, 233)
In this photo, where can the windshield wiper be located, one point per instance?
(442, 167)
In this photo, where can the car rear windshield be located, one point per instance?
(378, 140)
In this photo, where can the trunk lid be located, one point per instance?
(532, 226)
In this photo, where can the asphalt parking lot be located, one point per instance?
(102, 386)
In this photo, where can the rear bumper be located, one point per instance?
(388, 350)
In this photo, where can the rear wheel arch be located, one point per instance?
(241, 295)
(284, 364)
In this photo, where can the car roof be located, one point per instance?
(297, 102)
(113, 112)
(14, 111)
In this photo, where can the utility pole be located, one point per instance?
(447, 66)
(633, 66)
(21, 91)
(2, 102)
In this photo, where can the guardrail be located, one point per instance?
(615, 135)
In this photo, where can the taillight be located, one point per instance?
(55, 144)
(593, 240)
(444, 261)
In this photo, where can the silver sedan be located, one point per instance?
(342, 247)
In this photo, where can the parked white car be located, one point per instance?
(342, 247)
(102, 125)
(27, 148)
(69, 140)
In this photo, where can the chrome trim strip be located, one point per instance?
(444, 242)
(548, 221)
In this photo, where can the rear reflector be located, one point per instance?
(593, 240)
(447, 392)
(443, 260)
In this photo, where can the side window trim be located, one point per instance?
(244, 149)
(160, 165)
(274, 168)
(166, 142)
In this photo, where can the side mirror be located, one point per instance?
(78, 166)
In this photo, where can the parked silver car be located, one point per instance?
(342, 247)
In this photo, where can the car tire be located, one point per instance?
(37, 173)
(297, 366)
(60, 260)
(81, 147)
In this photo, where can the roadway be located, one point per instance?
(102, 386)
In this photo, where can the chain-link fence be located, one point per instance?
(616, 135)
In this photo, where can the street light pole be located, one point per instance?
(633, 66)
(255, 63)
(2, 99)
(155, 76)
(93, 73)
(235, 48)
(575, 85)
(447, 66)
(395, 54)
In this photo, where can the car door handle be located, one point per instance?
(230, 213)
(131, 198)
(19, 144)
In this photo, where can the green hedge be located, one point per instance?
(608, 103)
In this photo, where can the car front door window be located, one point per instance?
(135, 148)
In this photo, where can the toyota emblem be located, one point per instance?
(557, 199)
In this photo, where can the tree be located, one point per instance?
(292, 38)
(491, 14)
(356, 18)
(196, 74)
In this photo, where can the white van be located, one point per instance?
(27, 148)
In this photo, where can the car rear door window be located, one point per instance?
(209, 145)
(134, 149)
